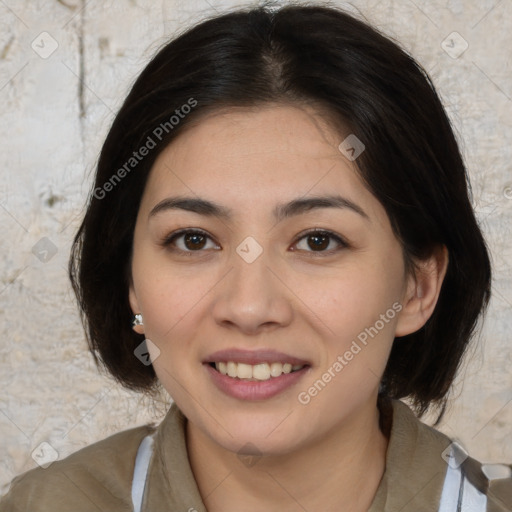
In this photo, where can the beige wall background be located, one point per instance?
(65, 66)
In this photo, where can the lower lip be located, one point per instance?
(254, 389)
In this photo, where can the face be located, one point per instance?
(265, 277)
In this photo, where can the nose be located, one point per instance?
(253, 296)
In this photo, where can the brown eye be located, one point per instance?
(187, 241)
(194, 241)
(319, 241)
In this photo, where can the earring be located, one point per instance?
(137, 320)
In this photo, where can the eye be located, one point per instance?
(320, 240)
(190, 240)
(195, 240)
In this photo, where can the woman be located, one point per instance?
(280, 235)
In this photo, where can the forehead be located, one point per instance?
(248, 156)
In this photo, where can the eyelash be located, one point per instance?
(169, 239)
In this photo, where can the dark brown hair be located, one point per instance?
(300, 55)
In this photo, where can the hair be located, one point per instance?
(362, 80)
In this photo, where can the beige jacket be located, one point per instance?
(100, 477)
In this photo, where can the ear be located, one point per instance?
(134, 304)
(422, 292)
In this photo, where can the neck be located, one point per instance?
(339, 472)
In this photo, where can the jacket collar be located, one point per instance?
(415, 469)
(412, 481)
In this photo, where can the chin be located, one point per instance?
(249, 435)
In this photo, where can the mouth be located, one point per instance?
(256, 372)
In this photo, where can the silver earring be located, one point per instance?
(137, 320)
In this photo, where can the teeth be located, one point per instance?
(276, 369)
(244, 371)
(261, 371)
(232, 369)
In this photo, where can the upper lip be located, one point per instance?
(253, 357)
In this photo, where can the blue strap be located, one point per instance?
(140, 471)
(459, 494)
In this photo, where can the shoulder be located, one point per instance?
(492, 480)
(464, 478)
(97, 477)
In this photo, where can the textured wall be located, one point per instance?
(55, 110)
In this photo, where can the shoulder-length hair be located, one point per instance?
(309, 55)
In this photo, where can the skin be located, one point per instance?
(328, 454)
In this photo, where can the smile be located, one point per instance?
(256, 372)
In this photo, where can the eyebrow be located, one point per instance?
(282, 211)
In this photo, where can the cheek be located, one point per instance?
(352, 298)
(171, 308)
(361, 313)
(359, 304)
(170, 298)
